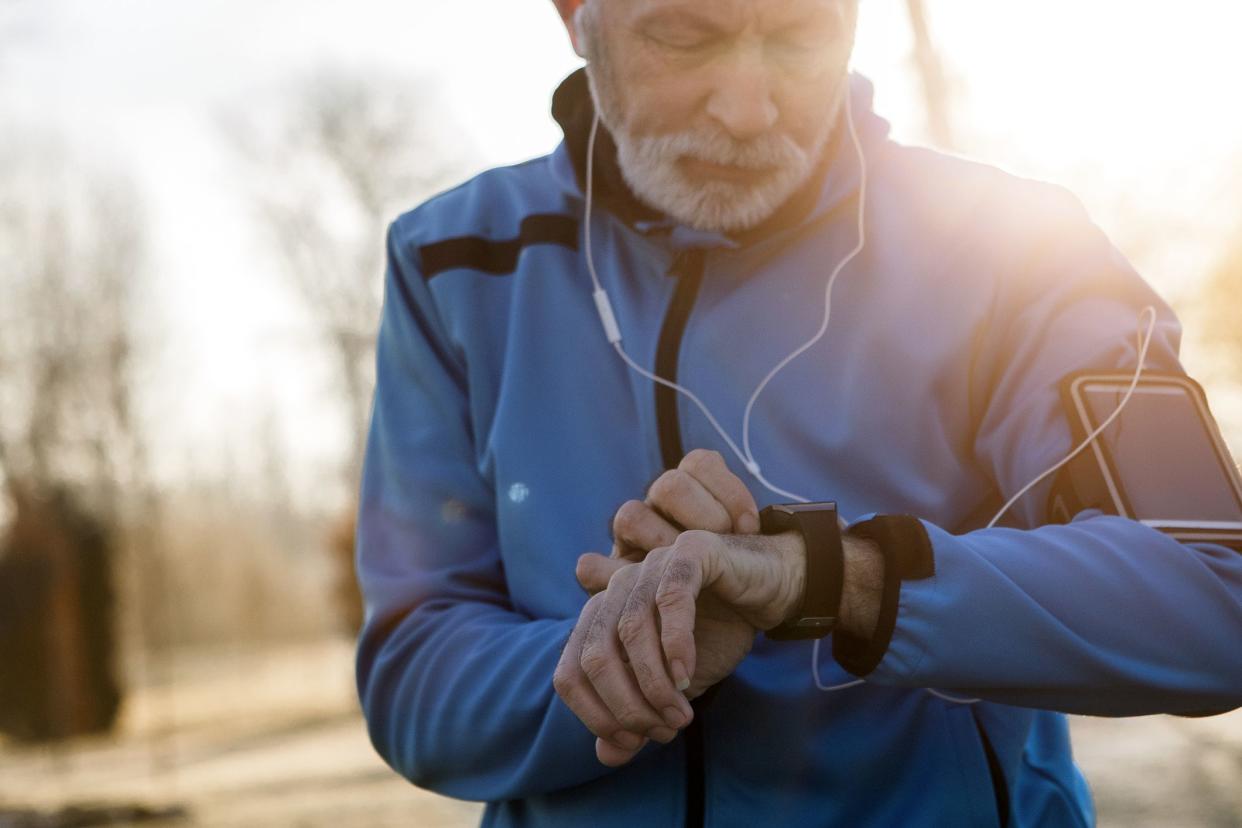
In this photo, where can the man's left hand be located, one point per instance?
(629, 668)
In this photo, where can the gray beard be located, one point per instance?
(649, 163)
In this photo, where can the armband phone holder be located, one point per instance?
(1161, 462)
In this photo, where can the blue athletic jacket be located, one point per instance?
(506, 432)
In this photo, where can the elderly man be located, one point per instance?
(729, 280)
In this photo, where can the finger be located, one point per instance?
(675, 599)
(640, 637)
(711, 471)
(594, 571)
(681, 499)
(614, 756)
(637, 529)
(602, 661)
(572, 686)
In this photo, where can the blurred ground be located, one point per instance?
(240, 739)
(272, 738)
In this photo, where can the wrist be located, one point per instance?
(791, 547)
(863, 587)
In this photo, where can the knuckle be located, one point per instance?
(633, 717)
(564, 682)
(583, 568)
(622, 578)
(639, 598)
(630, 628)
(677, 576)
(669, 486)
(668, 602)
(589, 609)
(628, 516)
(645, 677)
(702, 461)
(659, 489)
(590, 642)
(593, 661)
(694, 542)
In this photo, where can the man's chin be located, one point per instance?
(700, 172)
(719, 207)
(726, 218)
(695, 195)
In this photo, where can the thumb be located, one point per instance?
(594, 570)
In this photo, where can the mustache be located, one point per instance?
(717, 147)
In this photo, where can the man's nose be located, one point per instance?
(742, 100)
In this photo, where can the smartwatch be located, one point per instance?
(820, 528)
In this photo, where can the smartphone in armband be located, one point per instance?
(1161, 462)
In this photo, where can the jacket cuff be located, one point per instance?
(908, 556)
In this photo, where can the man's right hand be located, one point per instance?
(701, 493)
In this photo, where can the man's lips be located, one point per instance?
(699, 168)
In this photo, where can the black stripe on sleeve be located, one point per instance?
(497, 257)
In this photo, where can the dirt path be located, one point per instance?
(247, 739)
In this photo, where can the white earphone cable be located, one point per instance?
(612, 330)
(745, 454)
(832, 280)
(1144, 343)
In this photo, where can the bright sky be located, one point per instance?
(1131, 104)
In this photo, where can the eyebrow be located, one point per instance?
(684, 16)
(687, 15)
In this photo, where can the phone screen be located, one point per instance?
(1166, 453)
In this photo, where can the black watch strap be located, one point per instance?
(825, 566)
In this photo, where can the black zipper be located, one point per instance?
(1000, 789)
(688, 269)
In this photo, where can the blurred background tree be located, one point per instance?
(75, 252)
(189, 478)
(327, 171)
(72, 461)
(1220, 309)
(934, 82)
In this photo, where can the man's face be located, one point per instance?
(720, 108)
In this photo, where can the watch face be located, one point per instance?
(781, 517)
(823, 506)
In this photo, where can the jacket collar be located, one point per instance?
(834, 180)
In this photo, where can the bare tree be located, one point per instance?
(73, 251)
(329, 169)
(340, 160)
(937, 91)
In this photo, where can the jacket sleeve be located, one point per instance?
(456, 685)
(1102, 616)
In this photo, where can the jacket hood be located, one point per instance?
(833, 181)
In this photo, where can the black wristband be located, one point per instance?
(908, 556)
(820, 528)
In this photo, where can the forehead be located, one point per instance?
(732, 14)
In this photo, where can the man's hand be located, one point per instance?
(700, 494)
(637, 643)
(761, 578)
(654, 642)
